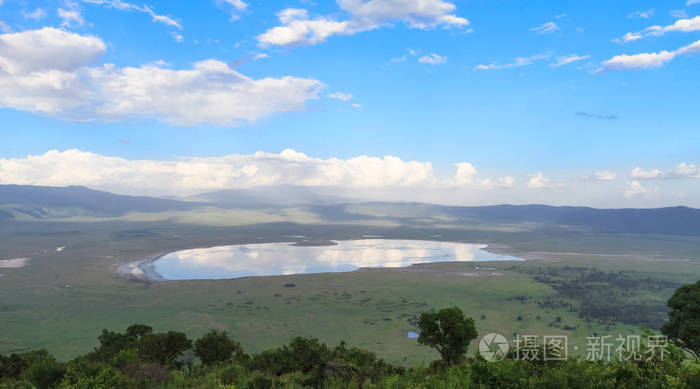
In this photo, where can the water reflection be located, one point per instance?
(284, 258)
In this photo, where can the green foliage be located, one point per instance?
(684, 317)
(448, 331)
(164, 348)
(215, 347)
(45, 373)
(136, 331)
(140, 359)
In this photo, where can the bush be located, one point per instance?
(215, 347)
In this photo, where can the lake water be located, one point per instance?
(269, 259)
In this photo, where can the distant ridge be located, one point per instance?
(95, 201)
(670, 220)
(679, 220)
(35, 200)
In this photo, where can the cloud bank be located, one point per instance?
(234, 171)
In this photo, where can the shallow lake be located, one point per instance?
(269, 259)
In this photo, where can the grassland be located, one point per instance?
(62, 299)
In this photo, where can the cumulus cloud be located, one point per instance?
(234, 171)
(517, 62)
(681, 25)
(539, 181)
(341, 96)
(636, 189)
(546, 28)
(565, 60)
(432, 59)
(50, 71)
(682, 170)
(298, 28)
(125, 6)
(647, 60)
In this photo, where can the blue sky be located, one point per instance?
(540, 92)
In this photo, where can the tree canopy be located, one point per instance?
(684, 317)
(448, 331)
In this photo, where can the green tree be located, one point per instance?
(215, 346)
(136, 331)
(448, 331)
(684, 317)
(164, 348)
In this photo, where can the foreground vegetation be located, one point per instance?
(133, 360)
(140, 358)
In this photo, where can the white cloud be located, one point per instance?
(678, 14)
(539, 181)
(46, 50)
(341, 96)
(162, 18)
(640, 173)
(546, 28)
(70, 17)
(682, 170)
(4, 27)
(260, 56)
(517, 62)
(49, 71)
(177, 37)
(642, 14)
(465, 174)
(74, 167)
(355, 105)
(604, 175)
(505, 182)
(691, 2)
(125, 6)
(235, 171)
(239, 5)
(297, 28)
(681, 25)
(233, 7)
(404, 57)
(565, 60)
(647, 60)
(432, 59)
(37, 14)
(636, 189)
